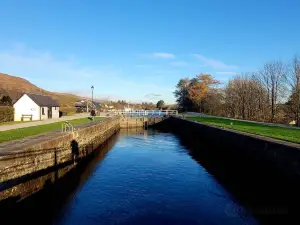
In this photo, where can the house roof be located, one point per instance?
(43, 100)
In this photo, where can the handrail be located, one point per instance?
(145, 112)
(67, 125)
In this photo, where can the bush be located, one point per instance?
(6, 114)
(71, 113)
(6, 101)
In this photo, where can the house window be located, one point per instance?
(43, 112)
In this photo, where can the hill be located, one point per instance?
(16, 86)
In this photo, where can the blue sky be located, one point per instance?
(138, 49)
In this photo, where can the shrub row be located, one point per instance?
(6, 114)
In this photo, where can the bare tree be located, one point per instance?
(293, 79)
(273, 77)
(245, 98)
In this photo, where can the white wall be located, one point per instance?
(45, 116)
(26, 106)
(55, 112)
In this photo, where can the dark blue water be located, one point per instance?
(149, 177)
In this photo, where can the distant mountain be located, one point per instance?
(16, 86)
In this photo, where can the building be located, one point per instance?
(81, 106)
(35, 107)
(86, 106)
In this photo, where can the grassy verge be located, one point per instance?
(13, 122)
(287, 134)
(30, 131)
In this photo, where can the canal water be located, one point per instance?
(149, 178)
(145, 177)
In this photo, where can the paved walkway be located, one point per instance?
(36, 123)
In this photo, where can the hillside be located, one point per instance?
(16, 86)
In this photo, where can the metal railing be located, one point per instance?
(67, 127)
(145, 113)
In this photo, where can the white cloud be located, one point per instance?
(226, 73)
(160, 55)
(216, 64)
(163, 55)
(178, 63)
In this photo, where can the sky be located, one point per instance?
(137, 50)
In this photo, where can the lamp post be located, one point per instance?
(92, 96)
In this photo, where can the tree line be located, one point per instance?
(270, 94)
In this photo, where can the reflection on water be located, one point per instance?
(150, 177)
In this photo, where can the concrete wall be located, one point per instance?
(283, 157)
(60, 148)
(26, 106)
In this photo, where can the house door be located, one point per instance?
(49, 112)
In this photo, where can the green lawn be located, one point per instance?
(287, 134)
(13, 122)
(29, 131)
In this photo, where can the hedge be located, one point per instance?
(6, 114)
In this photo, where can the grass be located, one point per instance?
(30, 131)
(287, 134)
(13, 122)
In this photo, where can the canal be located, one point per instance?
(148, 177)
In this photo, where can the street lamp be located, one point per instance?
(92, 96)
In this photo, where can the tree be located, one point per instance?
(273, 76)
(191, 94)
(160, 104)
(182, 94)
(6, 101)
(199, 87)
(245, 98)
(293, 79)
(214, 102)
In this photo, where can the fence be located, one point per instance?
(144, 113)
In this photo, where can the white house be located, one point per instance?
(35, 107)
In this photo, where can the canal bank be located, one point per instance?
(22, 161)
(268, 169)
(245, 176)
(137, 177)
(18, 161)
(282, 156)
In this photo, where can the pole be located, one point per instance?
(92, 101)
(92, 98)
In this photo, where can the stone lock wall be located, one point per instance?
(283, 157)
(60, 148)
